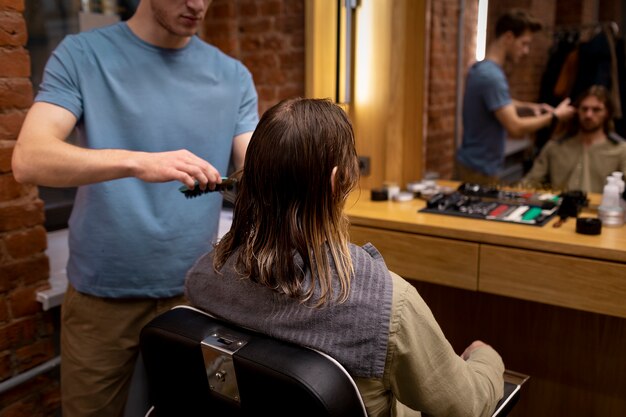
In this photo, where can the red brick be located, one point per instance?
(25, 243)
(12, 5)
(261, 62)
(268, 92)
(6, 283)
(46, 327)
(221, 10)
(25, 407)
(272, 77)
(271, 8)
(294, 7)
(264, 105)
(6, 151)
(27, 391)
(229, 46)
(290, 60)
(258, 26)
(13, 32)
(4, 311)
(34, 354)
(5, 366)
(220, 29)
(15, 93)
(11, 123)
(23, 302)
(248, 9)
(51, 397)
(296, 41)
(250, 43)
(290, 91)
(249, 29)
(14, 62)
(11, 189)
(17, 334)
(22, 214)
(27, 271)
(289, 25)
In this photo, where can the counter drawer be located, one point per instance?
(566, 281)
(429, 259)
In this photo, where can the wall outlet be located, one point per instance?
(364, 165)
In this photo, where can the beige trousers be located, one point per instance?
(99, 347)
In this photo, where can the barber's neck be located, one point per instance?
(496, 52)
(145, 26)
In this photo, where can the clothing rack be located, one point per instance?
(567, 74)
(596, 26)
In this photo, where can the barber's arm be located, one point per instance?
(518, 126)
(535, 108)
(43, 157)
(240, 145)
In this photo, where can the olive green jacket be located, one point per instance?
(565, 164)
(423, 372)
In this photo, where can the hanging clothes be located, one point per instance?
(577, 62)
(597, 65)
(565, 42)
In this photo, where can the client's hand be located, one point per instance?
(475, 345)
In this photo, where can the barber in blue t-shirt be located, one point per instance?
(489, 112)
(154, 106)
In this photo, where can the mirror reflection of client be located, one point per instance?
(287, 268)
(589, 151)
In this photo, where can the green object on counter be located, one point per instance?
(531, 214)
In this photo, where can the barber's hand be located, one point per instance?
(180, 165)
(564, 111)
(475, 345)
(543, 108)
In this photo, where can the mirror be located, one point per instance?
(533, 80)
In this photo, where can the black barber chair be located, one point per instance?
(197, 365)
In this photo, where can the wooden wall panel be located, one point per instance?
(388, 95)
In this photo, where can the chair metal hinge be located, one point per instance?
(218, 350)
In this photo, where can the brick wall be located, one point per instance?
(26, 333)
(268, 37)
(441, 105)
(525, 80)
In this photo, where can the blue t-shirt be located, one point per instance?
(484, 137)
(129, 238)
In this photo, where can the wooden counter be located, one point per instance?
(551, 301)
(551, 265)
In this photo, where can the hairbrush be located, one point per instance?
(228, 187)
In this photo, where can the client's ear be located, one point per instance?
(333, 174)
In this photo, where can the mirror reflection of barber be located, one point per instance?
(490, 114)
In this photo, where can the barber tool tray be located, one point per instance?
(490, 203)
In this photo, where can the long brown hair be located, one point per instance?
(286, 206)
